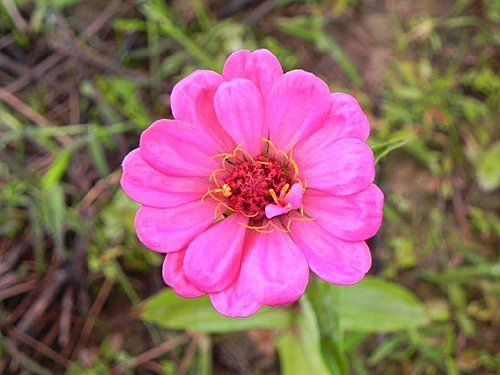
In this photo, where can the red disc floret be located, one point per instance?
(250, 182)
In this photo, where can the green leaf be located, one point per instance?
(97, 153)
(171, 311)
(374, 305)
(57, 169)
(383, 149)
(54, 207)
(299, 346)
(326, 305)
(488, 168)
(386, 348)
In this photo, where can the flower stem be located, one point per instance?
(327, 301)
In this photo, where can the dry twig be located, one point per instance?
(43, 301)
(39, 347)
(94, 313)
(151, 354)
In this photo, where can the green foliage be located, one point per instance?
(57, 169)
(383, 149)
(375, 305)
(488, 168)
(121, 94)
(299, 347)
(54, 215)
(313, 29)
(311, 338)
(372, 306)
(171, 311)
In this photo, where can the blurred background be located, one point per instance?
(80, 80)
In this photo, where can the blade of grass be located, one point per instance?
(313, 29)
(157, 11)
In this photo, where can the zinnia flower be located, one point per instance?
(261, 177)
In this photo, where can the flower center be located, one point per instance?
(259, 187)
(250, 182)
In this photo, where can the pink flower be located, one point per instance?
(260, 177)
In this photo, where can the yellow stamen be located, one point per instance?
(283, 191)
(217, 212)
(226, 190)
(270, 144)
(264, 231)
(280, 228)
(205, 195)
(257, 228)
(224, 161)
(221, 155)
(280, 152)
(290, 153)
(275, 197)
(295, 168)
(244, 152)
(303, 219)
(213, 176)
(247, 154)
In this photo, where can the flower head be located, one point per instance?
(261, 177)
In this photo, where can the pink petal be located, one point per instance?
(192, 101)
(260, 66)
(152, 188)
(346, 118)
(352, 218)
(297, 106)
(173, 275)
(344, 166)
(279, 269)
(213, 259)
(294, 196)
(170, 229)
(239, 106)
(273, 210)
(237, 300)
(179, 148)
(332, 259)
